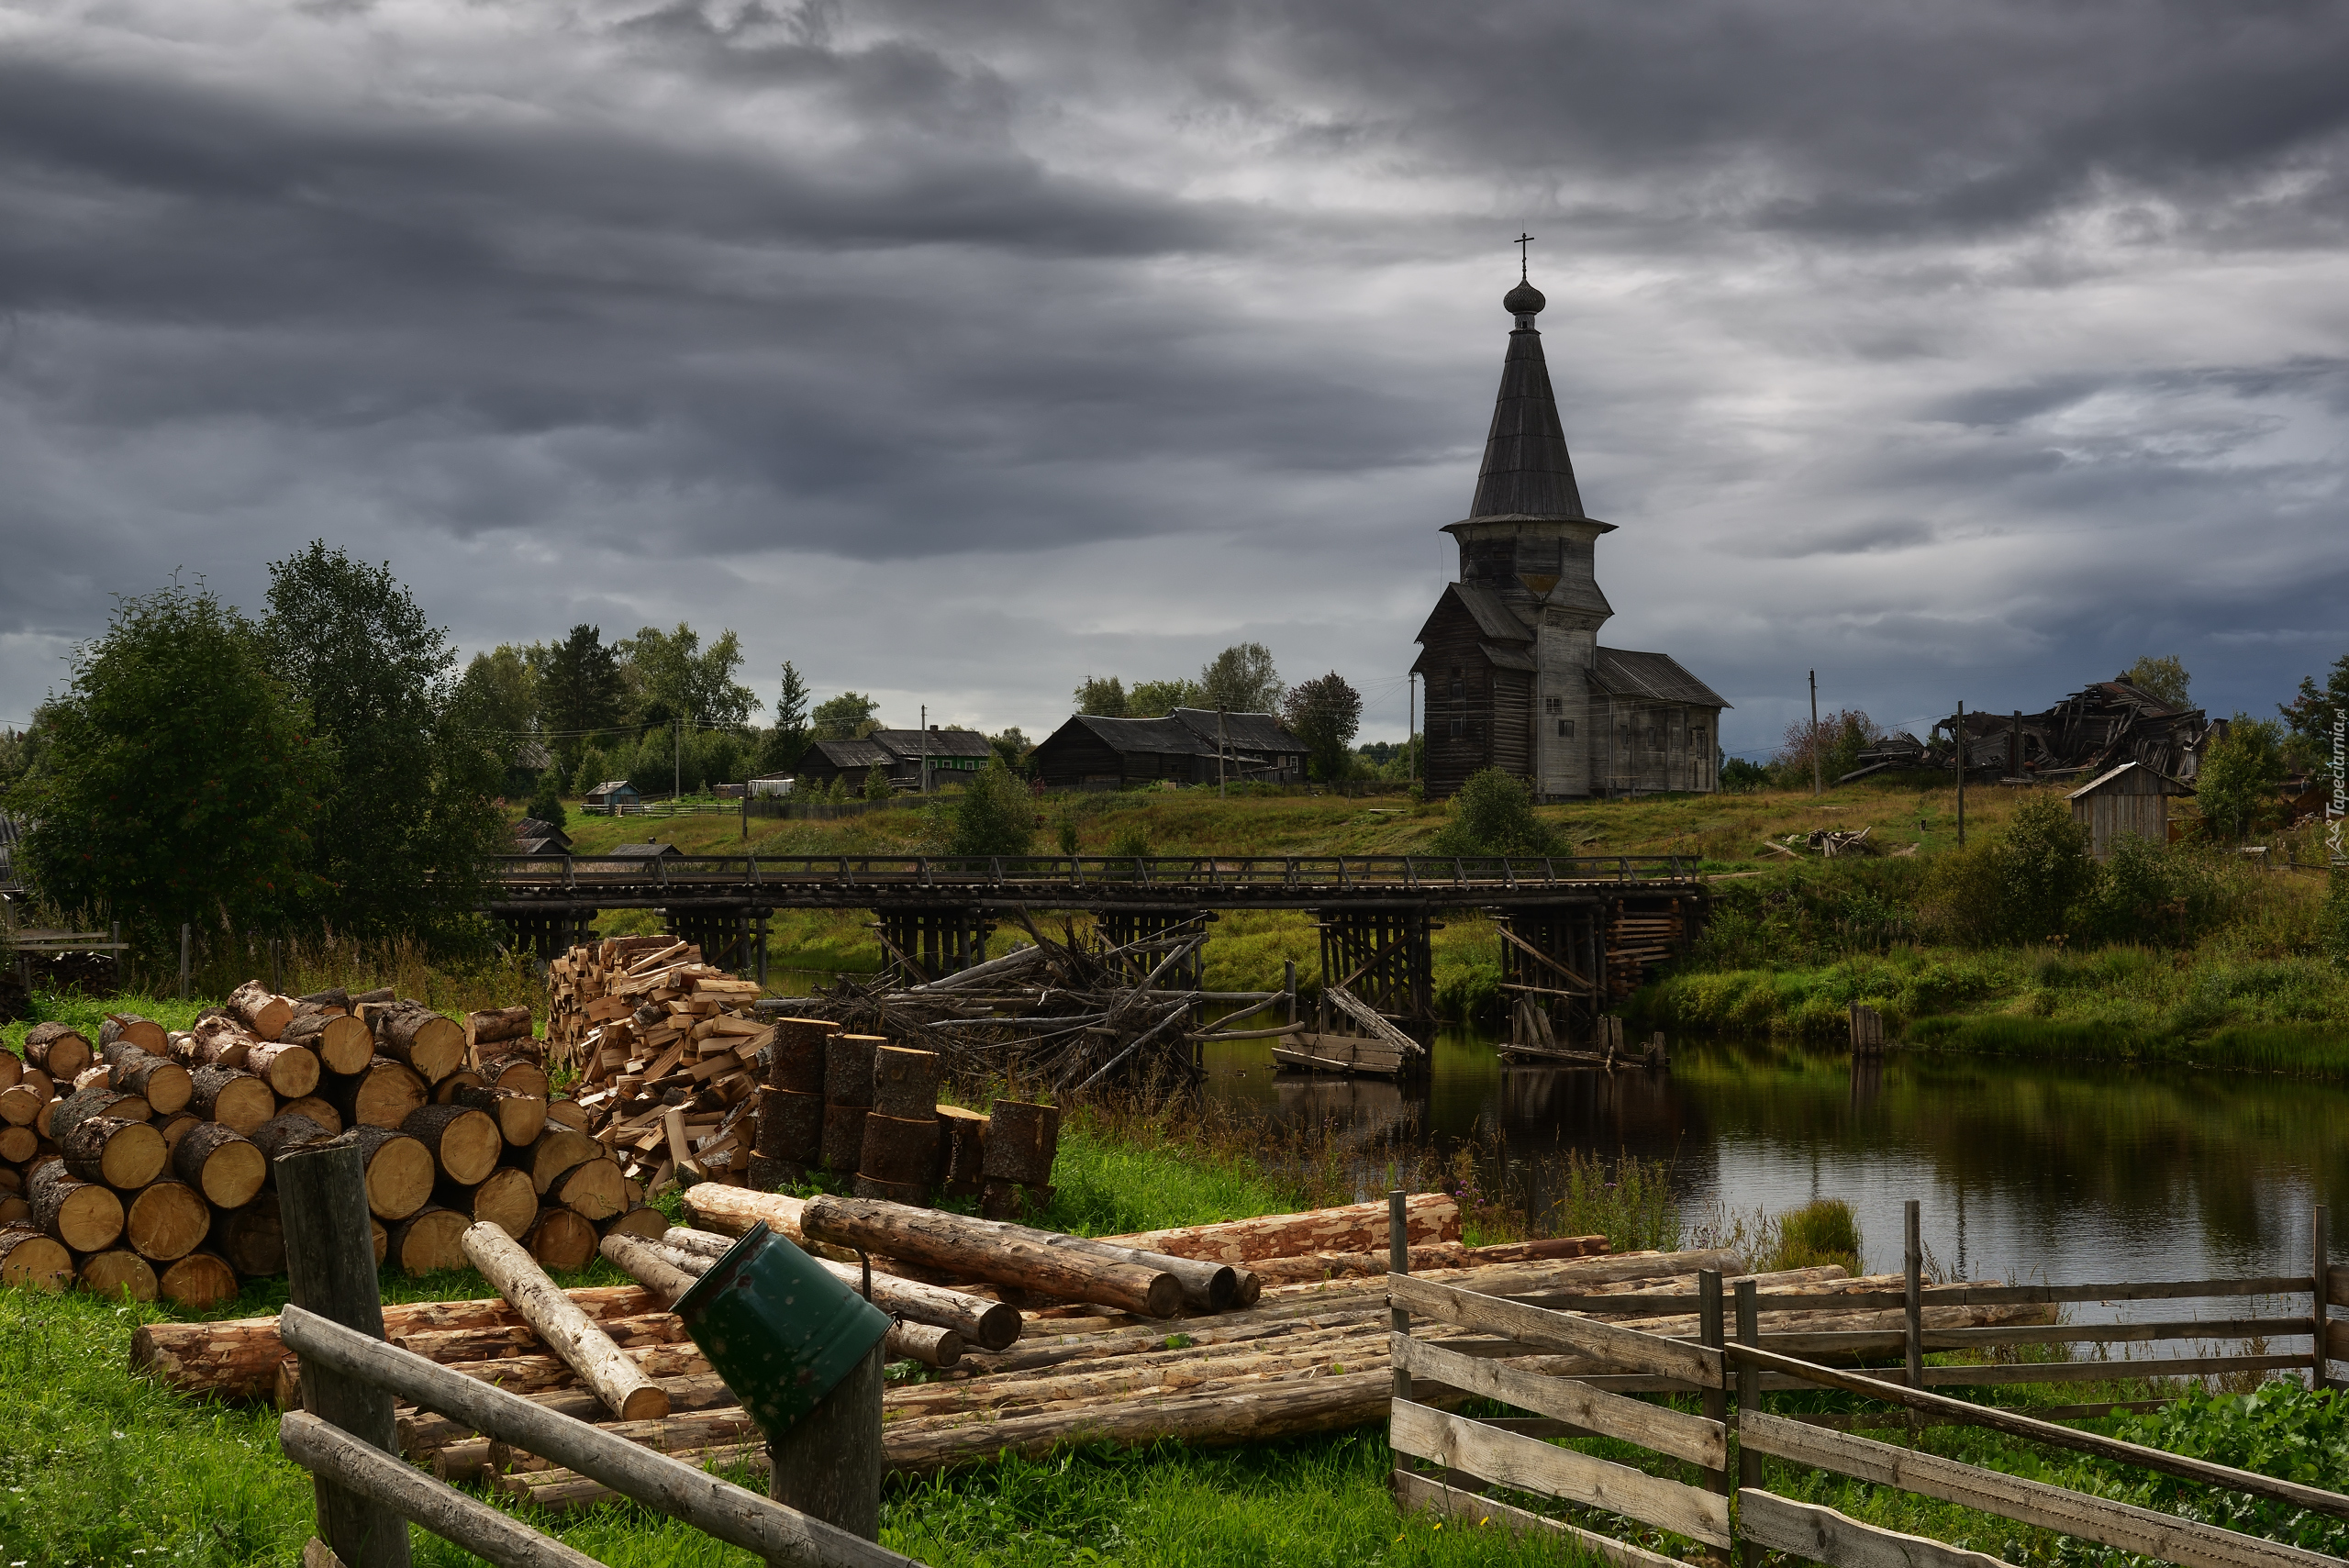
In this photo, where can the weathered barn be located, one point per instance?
(1514, 674)
(825, 761)
(532, 837)
(1092, 752)
(2131, 799)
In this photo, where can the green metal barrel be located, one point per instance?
(778, 1326)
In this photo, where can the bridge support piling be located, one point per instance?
(937, 940)
(1384, 956)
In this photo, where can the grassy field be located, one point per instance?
(106, 1468)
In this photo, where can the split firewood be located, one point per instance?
(497, 1024)
(623, 1387)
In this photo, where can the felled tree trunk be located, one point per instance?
(220, 1163)
(231, 1097)
(84, 1216)
(261, 1010)
(381, 1094)
(586, 1349)
(939, 1240)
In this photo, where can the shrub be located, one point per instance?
(1741, 776)
(1131, 838)
(546, 801)
(876, 785)
(2022, 885)
(994, 816)
(2239, 781)
(1493, 815)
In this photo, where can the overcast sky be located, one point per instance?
(958, 352)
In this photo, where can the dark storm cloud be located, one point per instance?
(1107, 334)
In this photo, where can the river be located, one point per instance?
(2023, 1172)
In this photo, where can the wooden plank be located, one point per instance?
(1414, 1491)
(1369, 1018)
(1527, 1464)
(2290, 1493)
(1534, 1326)
(1796, 1342)
(1823, 1535)
(2121, 1525)
(1667, 1431)
(2102, 1371)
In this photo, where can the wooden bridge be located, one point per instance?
(1583, 927)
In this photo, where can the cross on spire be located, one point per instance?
(1522, 242)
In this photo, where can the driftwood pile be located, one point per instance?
(143, 1164)
(1067, 1013)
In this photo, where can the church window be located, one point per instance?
(1459, 690)
(1566, 729)
(1459, 727)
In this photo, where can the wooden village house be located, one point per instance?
(1515, 676)
(1093, 753)
(2130, 798)
(949, 755)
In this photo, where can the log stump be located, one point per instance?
(220, 1163)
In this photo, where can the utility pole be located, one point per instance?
(1815, 785)
(677, 762)
(925, 747)
(1218, 752)
(1411, 729)
(1961, 775)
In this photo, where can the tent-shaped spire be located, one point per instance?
(1527, 473)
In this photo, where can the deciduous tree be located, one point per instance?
(2162, 678)
(995, 815)
(403, 845)
(848, 716)
(178, 778)
(1101, 697)
(1242, 679)
(1325, 711)
(2241, 775)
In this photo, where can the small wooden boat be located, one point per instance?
(1345, 1053)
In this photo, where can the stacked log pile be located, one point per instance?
(143, 1164)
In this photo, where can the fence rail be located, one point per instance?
(1725, 1510)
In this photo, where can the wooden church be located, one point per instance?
(1515, 676)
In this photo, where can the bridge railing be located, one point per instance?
(1433, 874)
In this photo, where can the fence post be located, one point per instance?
(183, 945)
(2320, 1265)
(828, 1466)
(330, 1270)
(1709, 1332)
(1913, 1288)
(1749, 1397)
(1399, 1262)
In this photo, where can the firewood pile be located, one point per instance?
(1067, 1013)
(668, 1054)
(143, 1163)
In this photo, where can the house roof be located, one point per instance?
(846, 754)
(1507, 658)
(638, 853)
(609, 785)
(1242, 731)
(1526, 471)
(2165, 784)
(1162, 737)
(1658, 676)
(532, 828)
(917, 743)
(542, 846)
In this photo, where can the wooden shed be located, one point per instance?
(2130, 798)
(612, 795)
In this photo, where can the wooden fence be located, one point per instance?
(1511, 1454)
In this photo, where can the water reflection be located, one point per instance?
(2023, 1171)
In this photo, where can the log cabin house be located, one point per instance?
(950, 755)
(1093, 753)
(1515, 676)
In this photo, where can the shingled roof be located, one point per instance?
(1656, 676)
(1527, 473)
(1242, 731)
